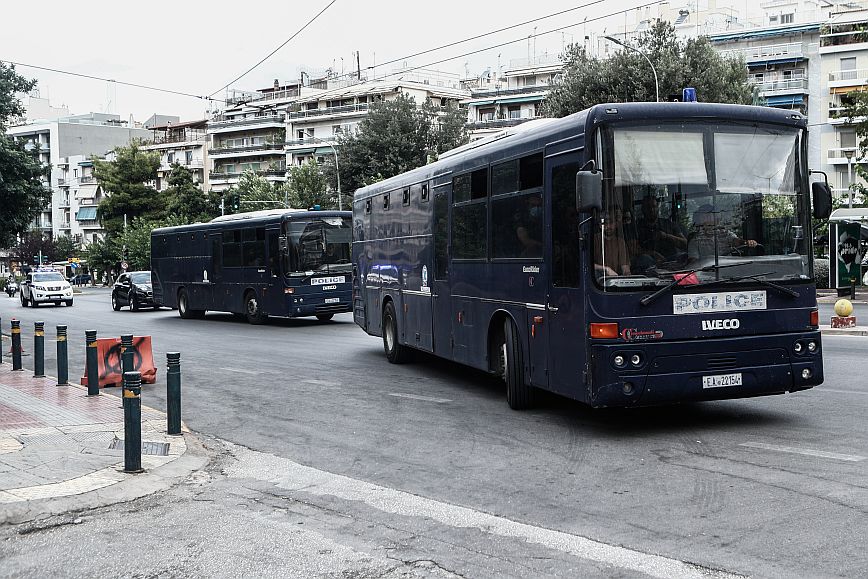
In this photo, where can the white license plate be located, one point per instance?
(332, 300)
(328, 280)
(721, 380)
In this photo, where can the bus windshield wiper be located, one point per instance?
(757, 277)
(684, 274)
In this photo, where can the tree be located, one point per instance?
(256, 193)
(625, 76)
(186, 200)
(66, 247)
(397, 136)
(22, 194)
(31, 244)
(124, 179)
(307, 186)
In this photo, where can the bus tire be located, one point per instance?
(324, 317)
(253, 310)
(184, 307)
(519, 394)
(395, 352)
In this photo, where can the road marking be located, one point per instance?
(298, 478)
(805, 451)
(842, 391)
(417, 397)
(321, 382)
(251, 372)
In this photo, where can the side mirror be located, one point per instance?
(821, 196)
(589, 190)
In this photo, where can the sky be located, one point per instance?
(198, 47)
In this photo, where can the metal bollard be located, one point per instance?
(173, 393)
(16, 345)
(853, 288)
(132, 422)
(92, 364)
(126, 353)
(39, 349)
(62, 357)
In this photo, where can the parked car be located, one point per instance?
(40, 287)
(133, 289)
(80, 279)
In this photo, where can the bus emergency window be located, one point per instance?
(232, 253)
(530, 172)
(470, 186)
(517, 226)
(425, 193)
(504, 177)
(406, 196)
(468, 231)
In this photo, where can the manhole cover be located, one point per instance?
(152, 448)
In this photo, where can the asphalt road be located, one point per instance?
(764, 487)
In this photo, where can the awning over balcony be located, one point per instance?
(785, 101)
(527, 99)
(324, 151)
(86, 213)
(770, 61)
(305, 151)
(87, 191)
(845, 89)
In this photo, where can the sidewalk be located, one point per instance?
(60, 451)
(830, 296)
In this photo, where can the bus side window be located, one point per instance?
(232, 249)
(273, 254)
(424, 192)
(565, 226)
(441, 213)
(469, 215)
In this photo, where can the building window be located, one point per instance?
(487, 114)
(188, 157)
(848, 68)
(514, 112)
(848, 138)
(787, 18)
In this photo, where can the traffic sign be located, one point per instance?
(125, 266)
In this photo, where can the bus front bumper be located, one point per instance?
(683, 371)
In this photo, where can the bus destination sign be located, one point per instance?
(719, 302)
(328, 280)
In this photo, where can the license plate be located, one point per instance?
(328, 280)
(721, 380)
(332, 300)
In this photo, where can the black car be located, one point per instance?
(133, 289)
(80, 279)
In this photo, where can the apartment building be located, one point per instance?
(316, 119)
(249, 135)
(512, 97)
(185, 143)
(64, 138)
(80, 195)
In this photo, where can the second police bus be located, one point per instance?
(628, 254)
(288, 263)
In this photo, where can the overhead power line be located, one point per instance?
(132, 84)
(270, 54)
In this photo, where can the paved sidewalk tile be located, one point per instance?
(56, 441)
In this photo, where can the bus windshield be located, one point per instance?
(319, 245)
(722, 197)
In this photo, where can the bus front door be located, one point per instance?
(216, 279)
(565, 304)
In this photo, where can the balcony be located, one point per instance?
(220, 175)
(791, 50)
(188, 136)
(64, 225)
(87, 179)
(272, 148)
(63, 203)
(791, 85)
(498, 123)
(330, 111)
(837, 37)
(62, 183)
(311, 142)
(839, 156)
(236, 124)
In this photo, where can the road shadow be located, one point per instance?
(276, 322)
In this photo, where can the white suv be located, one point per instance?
(45, 286)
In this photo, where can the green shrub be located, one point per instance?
(821, 272)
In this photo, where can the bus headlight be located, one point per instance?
(619, 360)
(635, 359)
(806, 373)
(812, 346)
(797, 348)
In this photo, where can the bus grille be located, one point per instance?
(333, 309)
(722, 363)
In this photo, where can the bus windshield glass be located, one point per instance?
(319, 245)
(726, 198)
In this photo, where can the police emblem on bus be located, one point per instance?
(732, 324)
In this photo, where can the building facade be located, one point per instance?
(59, 140)
(184, 143)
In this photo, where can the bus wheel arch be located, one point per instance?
(253, 307)
(506, 359)
(184, 309)
(396, 352)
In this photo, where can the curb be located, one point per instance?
(857, 331)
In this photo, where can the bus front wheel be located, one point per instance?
(253, 309)
(395, 352)
(519, 394)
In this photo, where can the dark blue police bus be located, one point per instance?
(289, 263)
(629, 254)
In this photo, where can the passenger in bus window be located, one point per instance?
(611, 248)
(710, 237)
(529, 226)
(661, 239)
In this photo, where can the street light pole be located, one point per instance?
(642, 54)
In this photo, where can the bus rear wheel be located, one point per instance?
(519, 394)
(395, 352)
(253, 309)
(184, 307)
